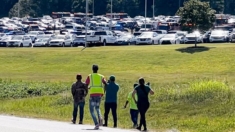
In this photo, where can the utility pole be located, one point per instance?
(19, 9)
(111, 20)
(179, 4)
(93, 8)
(86, 21)
(145, 13)
(153, 9)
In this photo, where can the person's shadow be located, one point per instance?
(193, 49)
(90, 129)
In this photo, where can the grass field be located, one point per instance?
(194, 87)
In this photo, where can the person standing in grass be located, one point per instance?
(133, 108)
(142, 92)
(111, 101)
(95, 81)
(79, 91)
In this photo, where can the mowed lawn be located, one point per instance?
(169, 69)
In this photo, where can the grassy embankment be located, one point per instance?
(194, 88)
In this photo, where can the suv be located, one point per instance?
(105, 37)
(20, 41)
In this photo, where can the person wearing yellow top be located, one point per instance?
(133, 108)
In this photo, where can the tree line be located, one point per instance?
(37, 8)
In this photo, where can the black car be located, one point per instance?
(206, 37)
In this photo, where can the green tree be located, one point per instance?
(196, 15)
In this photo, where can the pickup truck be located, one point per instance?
(102, 37)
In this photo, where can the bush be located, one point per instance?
(196, 92)
(207, 91)
(21, 89)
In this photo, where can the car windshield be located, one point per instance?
(69, 27)
(41, 40)
(147, 26)
(6, 38)
(34, 33)
(125, 37)
(17, 38)
(146, 34)
(169, 36)
(43, 37)
(216, 32)
(85, 33)
(59, 37)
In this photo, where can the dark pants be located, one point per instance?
(143, 107)
(81, 111)
(113, 107)
(134, 116)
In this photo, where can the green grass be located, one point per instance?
(193, 87)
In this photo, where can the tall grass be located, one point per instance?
(23, 89)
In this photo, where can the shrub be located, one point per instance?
(21, 89)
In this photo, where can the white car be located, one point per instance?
(170, 39)
(219, 36)
(20, 41)
(80, 40)
(41, 42)
(4, 41)
(62, 40)
(192, 37)
(147, 38)
(33, 34)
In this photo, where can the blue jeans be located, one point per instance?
(94, 103)
(81, 111)
(134, 116)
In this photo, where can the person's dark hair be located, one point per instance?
(135, 85)
(95, 68)
(141, 81)
(79, 77)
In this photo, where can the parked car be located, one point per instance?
(4, 41)
(206, 37)
(170, 39)
(33, 34)
(192, 37)
(232, 37)
(219, 36)
(62, 40)
(41, 43)
(79, 40)
(20, 41)
(125, 39)
(147, 38)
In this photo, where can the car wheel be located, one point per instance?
(63, 45)
(104, 42)
(21, 45)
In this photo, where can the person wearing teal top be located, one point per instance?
(143, 104)
(133, 108)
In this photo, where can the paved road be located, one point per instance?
(16, 124)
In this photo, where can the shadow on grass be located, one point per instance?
(193, 49)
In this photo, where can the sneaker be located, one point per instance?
(105, 125)
(135, 126)
(145, 130)
(115, 126)
(138, 128)
(80, 122)
(97, 127)
(73, 121)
